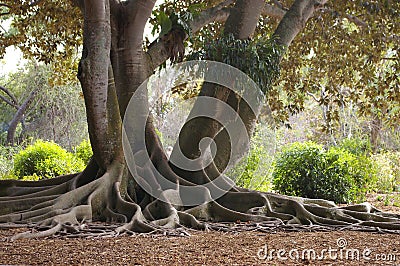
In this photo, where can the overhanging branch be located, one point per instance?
(360, 23)
(219, 13)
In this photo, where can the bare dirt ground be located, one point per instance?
(211, 248)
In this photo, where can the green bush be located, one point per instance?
(84, 151)
(46, 160)
(253, 173)
(308, 170)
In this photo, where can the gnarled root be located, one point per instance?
(64, 205)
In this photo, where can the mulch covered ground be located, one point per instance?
(209, 248)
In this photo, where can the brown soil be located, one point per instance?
(210, 248)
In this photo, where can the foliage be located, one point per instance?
(9, 151)
(388, 171)
(47, 31)
(255, 170)
(165, 23)
(392, 200)
(365, 34)
(84, 151)
(308, 170)
(258, 58)
(45, 159)
(356, 146)
(170, 14)
(4, 166)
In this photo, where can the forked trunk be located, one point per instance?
(241, 23)
(153, 196)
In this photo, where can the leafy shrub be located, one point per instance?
(3, 137)
(45, 159)
(9, 151)
(308, 170)
(8, 175)
(84, 151)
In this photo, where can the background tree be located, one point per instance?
(45, 110)
(113, 66)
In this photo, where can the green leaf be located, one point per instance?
(165, 23)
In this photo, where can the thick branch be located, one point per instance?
(14, 100)
(127, 57)
(273, 11)
(241, 23)
(244, 18)
(158, 54)
(218, 13)
(295, 20)
(360, 23)
(138, 13)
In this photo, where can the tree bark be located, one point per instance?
(94, 77)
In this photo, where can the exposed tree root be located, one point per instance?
(67, 206)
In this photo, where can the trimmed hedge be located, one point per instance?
(46, 160)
